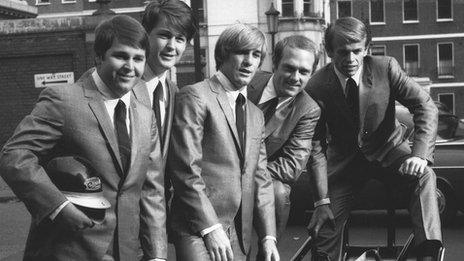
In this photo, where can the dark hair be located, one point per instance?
(348, 28)
(174, 13)
(236, 38)
(126, 30)
(295, 41)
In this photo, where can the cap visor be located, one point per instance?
(88, 200)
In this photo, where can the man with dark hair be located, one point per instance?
(96, 120)
(290, 116)
(217, 159)
(357, 94)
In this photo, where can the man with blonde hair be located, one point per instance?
(217, 159)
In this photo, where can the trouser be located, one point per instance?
(282, 205)
(192, 247)
(423, 206)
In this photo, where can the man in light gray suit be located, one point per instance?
(94, 119)
(217, 159)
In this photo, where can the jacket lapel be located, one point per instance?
(224, 104)
(135, 138)
(365, 100)
(99, 110)
(141, 93)
(277, 119)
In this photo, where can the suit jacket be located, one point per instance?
(214, 182)
(288, 133)
(380, 136)
(141, 93)
(72, 120)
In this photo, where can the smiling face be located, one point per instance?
(167, 47)
(120, 67)
(293, 71)
(241, 66)
(348, 57)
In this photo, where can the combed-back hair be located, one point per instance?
(236, 38)
(350, 29)
(174, 13)
(295, 41)
(122, 28)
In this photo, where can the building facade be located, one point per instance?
(56, 47)
(426, 37)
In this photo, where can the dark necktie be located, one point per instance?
(124, 142)
(240, 120)
(269, 108)
(352, 99)
(158, 96)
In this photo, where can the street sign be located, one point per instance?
(51, 79)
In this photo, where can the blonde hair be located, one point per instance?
(239, 37)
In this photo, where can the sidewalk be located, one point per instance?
(5, 192)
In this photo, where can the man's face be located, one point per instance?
(348, 58)
(121, 66)
(293, 71)
(167, 47)
(241, 66)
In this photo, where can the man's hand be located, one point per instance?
(218, 245)
(321, 214)
(413, 166)
(270, 252)
(72, 218)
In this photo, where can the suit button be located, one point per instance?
(366, 132)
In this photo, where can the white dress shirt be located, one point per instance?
(269, 93)
(151, 86)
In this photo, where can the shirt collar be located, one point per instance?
(229, 87)
(342, 78)
(107, 93)
(153, 83)
(269, 91)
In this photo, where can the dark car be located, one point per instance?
(449, 167)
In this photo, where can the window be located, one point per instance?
(307, 8)
(344, 9)
(444, 10)
(377, 11)
(287, 8)
(448, 100)
(411, 59)
(68, 1)
(379, 50)
(445, 60)
(42, 2)
(410, 12)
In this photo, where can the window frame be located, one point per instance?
(39, 2)
(370, 14)
(68, 1)
(417, 11)
(444, 76)
(418, 56)
(444, 19)
(337, 9)
(384, 46)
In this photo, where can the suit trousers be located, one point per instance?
(282, 205)
(421, 191)
(192, 247)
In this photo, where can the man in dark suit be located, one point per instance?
(217, 159)
(96, 120)
(290, 115)
(357, 95)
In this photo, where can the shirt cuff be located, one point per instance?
(58, 210)
(210, 229)
(269, 238)
(324, 201)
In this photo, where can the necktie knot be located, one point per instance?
(120, 109)
(158, 93)
(240, 101)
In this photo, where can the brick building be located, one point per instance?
(425, 37)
